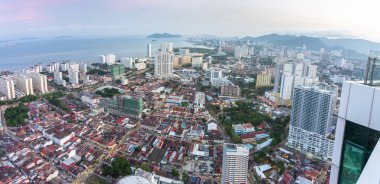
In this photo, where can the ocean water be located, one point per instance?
(22, 54)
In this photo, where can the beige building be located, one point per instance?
(263, 80)
(176, 62)
(39, 83)
(184, 60)
(7, 88)
(24, 84)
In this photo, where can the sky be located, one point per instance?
(49, 18)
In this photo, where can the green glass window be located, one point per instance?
(358, 144)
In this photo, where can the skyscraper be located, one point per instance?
(235, 163)
(149, 50)
(24, 84)
(39, 82)
(311, 119)
(356, 155)
(7, 88)
(73, 76)
(163, 65)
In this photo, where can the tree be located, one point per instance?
(119, 167)
(15, 116)
(138, 149)
(185, 177)
(175, 173)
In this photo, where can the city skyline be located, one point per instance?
(238, 18)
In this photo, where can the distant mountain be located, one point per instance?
(62, 37)
(164, 35)
(356, 48)
(360, 45)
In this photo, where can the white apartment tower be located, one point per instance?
(149, 50)
(235, 163)
(7, 88)
(163, 65)
(24, 84)
(311, 120)
(39, 82)
(73, 76)
(102, 59)
(200, 99)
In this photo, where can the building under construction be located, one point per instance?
(124, 105)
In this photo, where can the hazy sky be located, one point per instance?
(344, 18)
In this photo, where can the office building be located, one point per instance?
(123, 105)
(116, 71)
(24, 84)
(39, 83)
(311, 120)
(263, 80)
(7, 88)
(230, 90)
(356, 155)
(235, 163)
(149, 50)
(163, 65)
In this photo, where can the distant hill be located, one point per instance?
(355, 48)
(164, 35)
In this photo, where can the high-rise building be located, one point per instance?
(73, 76)
(83, 67)
(263, 80)
(64, 66)
(230, 90)
(116, 70)
(24, 84)
(110, 59)
(128, 62)
(123, 105)
(357, 149)
(292, 75)
(200, 99)
(213, 74)
(286, 90)
(235, 163)
(7, 88)
(184, 52)
(58, 79)
(196, 61)
(311, 120)
(163, 65)
(102, 59)
(39, 83)
(149, 50)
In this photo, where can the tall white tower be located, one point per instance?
(235, 163)
(149, 50)
(163, 65)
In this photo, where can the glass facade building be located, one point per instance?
(358, 144)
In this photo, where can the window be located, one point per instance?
(358, 144)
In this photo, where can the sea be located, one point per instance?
(23, 53)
